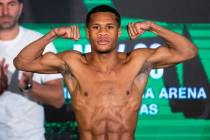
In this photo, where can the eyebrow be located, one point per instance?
(12, 2)
(8, 2)
(100, 24)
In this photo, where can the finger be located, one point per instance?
(68, 32)
(3, 62)
(1, 71)
(138, 28)
(135, 30)
(128, 31)
(131, 31)
(78, 33)
(75, 33)
(6, 69)
(72, 32)
(4, 66)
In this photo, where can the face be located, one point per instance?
(10, 11)
(103, 32)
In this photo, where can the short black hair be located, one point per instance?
(103, 8)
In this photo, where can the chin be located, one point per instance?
(103, 48)
(7, 26)
(104, 51)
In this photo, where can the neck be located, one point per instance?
(9, 34)
(104, 62)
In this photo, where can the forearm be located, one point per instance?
(50, 94)
(174, 41)
(34, 50)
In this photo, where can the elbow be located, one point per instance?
(18, 64)
(193, 52)
(21, 64)
(190, 53)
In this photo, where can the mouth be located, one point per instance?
(5, 19)
(103, 41)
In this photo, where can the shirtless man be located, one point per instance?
(106, 86)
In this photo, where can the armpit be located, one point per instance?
(70, 80)
(68, 74)
(147, 67)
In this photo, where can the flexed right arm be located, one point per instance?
(32, 59)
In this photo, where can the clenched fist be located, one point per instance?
(138, 28)
(71, 32)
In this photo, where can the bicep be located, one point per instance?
(47, 63)
(164, 57)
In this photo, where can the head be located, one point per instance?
(103, 28)
(10, 11)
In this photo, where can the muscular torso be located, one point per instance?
(106, 104)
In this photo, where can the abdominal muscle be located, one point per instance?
(109, 117)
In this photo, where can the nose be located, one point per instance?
(102, 31)
(4, 10)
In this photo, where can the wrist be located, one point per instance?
(53, 32)
(50, 36)
(151, 25)
(27, 88)
(154, 28)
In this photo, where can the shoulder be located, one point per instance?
(141, 52)
(69, 55)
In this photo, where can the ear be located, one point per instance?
(119, 32)
(20, 9)
(87, 33)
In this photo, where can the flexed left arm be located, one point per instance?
(177, 49)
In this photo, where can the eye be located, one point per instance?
(110, 26)
(12, 4)
(95, 27)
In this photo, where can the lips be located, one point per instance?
(5, 19)
(103, 41)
